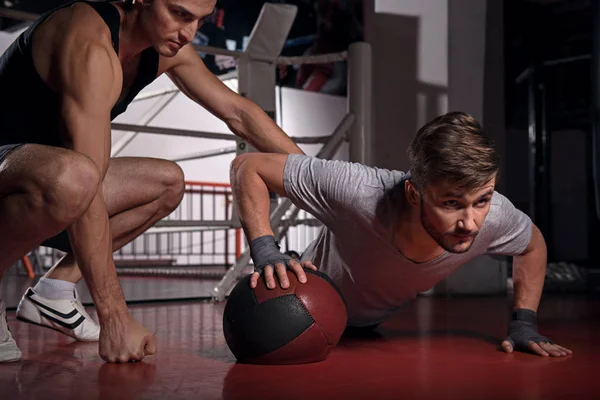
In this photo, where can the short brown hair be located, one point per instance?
(452, 148)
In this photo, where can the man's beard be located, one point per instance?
(444, 239)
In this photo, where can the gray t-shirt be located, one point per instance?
(359, 207)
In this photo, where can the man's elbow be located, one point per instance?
(241, 165)
(239, 112)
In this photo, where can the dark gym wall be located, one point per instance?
(393, 39)
(475, 71)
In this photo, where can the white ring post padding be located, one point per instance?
(271, 30)
(220, 291)
(256, 79)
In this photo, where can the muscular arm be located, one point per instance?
(326, 189)
(90, 84)
(529, 271)
(252, 176)
(244, 117)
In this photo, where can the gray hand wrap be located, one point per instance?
(523, 329)
(265, 251)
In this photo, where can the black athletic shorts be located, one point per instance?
(7, 148)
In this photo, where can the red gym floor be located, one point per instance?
(436, 349)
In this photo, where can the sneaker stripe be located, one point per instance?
(62, 323)
(45, 307)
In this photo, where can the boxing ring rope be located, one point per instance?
(156, 93)
(149, 116)
(297, 60)
(203, 134)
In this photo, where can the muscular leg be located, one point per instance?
(138, 192)
(42, 191)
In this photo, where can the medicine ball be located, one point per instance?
(300, 324)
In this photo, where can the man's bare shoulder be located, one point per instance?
(79, 21)
(67, 35)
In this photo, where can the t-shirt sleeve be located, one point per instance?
(510, 228)
(331, 189)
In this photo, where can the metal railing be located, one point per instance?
(199, 232)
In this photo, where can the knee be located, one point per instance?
(73, 183)
(173, 183)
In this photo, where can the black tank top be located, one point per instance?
(31, 110)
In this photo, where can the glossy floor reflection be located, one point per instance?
(434, 349)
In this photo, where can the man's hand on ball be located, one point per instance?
(282, 277)
(266, 255)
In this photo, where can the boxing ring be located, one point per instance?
(159, 250)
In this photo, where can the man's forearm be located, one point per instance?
(92, 245)
(252, 199)
(529, 272)
(263, 133)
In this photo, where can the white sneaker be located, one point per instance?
(66, 316)
(9, 351)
